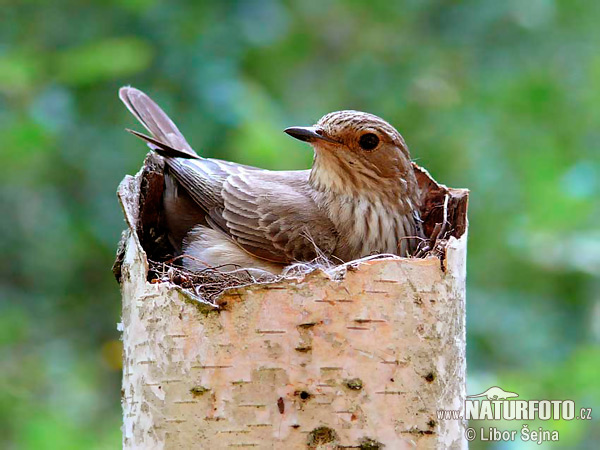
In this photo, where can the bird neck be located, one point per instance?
(332, 174)
(370, 212)
(328, 174)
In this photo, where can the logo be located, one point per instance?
(495, 393)
(498, 404)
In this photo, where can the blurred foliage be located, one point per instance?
(499, 97)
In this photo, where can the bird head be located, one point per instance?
(355, 151)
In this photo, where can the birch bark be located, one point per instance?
(362, 362)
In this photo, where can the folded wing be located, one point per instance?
(268, 214)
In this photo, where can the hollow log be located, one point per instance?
(363, 360)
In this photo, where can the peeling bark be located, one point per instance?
(363, 362)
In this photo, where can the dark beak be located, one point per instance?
(308, 134)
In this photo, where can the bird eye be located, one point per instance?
(368, 141)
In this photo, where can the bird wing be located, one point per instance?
(269, 214)
(272, 215)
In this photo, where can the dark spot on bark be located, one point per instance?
(197, 391)
(303, 349)
(430, 377)
(431, 423)
(418, 432)
(304, 395)
(369, 444)
(321, 435)
(392, 380)
(355, 384)
(295, 426)
(281, 405)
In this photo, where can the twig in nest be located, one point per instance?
(210, 283)
(438, 235)
(417, 253)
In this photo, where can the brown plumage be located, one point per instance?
(359, 198)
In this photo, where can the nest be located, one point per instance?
(443, 213)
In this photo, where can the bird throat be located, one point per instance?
(371, 214)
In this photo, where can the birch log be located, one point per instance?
(361, 362)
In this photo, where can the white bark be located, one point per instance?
(313, 363)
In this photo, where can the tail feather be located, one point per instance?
(162, 148)
(166, 137)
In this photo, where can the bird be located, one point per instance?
(359, 198)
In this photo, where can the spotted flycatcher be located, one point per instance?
(359, 198)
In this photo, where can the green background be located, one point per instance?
(500, 97)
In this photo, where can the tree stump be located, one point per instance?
(364, 361)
